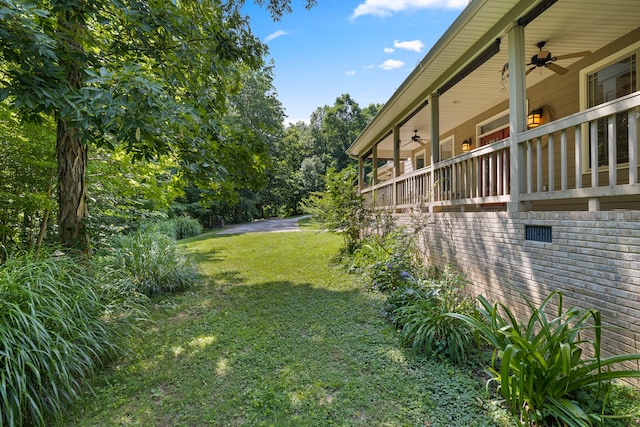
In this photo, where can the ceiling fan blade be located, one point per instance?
(556, 68)
(572, 55)
(530, 69)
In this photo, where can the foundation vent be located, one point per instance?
(538, 233)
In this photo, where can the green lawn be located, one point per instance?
(275, 336)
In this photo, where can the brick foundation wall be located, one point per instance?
(594, 259)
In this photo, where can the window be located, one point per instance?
(607, 84)
(606, 81)
(419, 161)
(494, 124)
(446, 148)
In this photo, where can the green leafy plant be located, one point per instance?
(149, 263)
(52, 334)
(423, 317)
(186, 227)
(340, 208)
(177, 228)
(543, 370)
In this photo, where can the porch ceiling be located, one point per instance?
(567, 26)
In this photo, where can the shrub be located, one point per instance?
(340, 208)
(186, 227)
(149, 263)
(422, 316)
(543, 374)
(177, 228)
(165, 227)
(52, 334)
(388, 262)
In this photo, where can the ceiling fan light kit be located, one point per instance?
(545, 59)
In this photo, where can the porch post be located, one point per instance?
(360, 173)
(396, 151)
(434, 102)
(517, 113)
(435, 128)
(396, 164)
(374, 168)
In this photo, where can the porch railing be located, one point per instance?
(555, 163)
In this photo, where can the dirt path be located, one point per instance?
(266, 226)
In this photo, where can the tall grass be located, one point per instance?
(52, 334)
(178, 228)
(148, 263)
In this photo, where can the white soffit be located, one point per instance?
(567, 26)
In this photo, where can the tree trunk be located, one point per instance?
(72, 189)
(72, 152)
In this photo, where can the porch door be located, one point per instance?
(490, 181)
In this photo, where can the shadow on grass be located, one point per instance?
(277, 353)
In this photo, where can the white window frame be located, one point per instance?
(447, 140)
(422, 152)
(583, 81)
(489, 120)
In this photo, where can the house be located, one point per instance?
(512, 147)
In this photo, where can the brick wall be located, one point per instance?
(594, 259)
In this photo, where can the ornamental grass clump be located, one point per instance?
(186, 227)
(148, 263)
(541, 367)
(52, 334)
(177, 228)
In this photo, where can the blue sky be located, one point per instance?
(365, 48)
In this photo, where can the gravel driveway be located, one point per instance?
(266, 226)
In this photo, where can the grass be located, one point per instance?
(274, 336)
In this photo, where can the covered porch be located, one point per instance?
(512, 110)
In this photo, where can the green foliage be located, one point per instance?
(422, 316)
(148, 263)
(126, 194)
(52, 334)
(26, 180)
(186, 227)
(387, 261)
(340, 208)
(275, 336)
(302, 155)
(112, 73)
(544, 371)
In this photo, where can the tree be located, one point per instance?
(277, 8)
(283, 194)
(151, 77)
(254, 116)
(340, 208)
(126, 194)
(27, 181)
(305, 152)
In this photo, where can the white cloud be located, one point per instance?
(414, 45)
(351, 73)
(368, 67)
(388, 7)
(275, 35)
(391, 64)
(389, 50)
